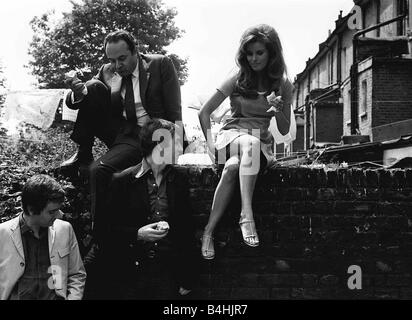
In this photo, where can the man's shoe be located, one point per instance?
(77, 160)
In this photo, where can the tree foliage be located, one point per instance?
(2, 85)
(75, 41)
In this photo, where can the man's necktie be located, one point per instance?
(129, 100)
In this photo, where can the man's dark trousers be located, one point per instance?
(96, 119)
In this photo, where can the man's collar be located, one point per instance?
(23, 225)
(25, 228)
(136, 70)
(145, 168)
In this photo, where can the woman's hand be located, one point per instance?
(275, 102)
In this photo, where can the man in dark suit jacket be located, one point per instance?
(113, 106)
(142, 259)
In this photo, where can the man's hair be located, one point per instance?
(38, 191)
(121, 35)
(147, 144)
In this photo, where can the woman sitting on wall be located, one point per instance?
(260, 96)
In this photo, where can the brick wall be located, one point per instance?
(313, 224)
(392, 90)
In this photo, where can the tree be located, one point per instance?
(75, 41)
(2, 85)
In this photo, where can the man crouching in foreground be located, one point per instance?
(39, 254)
(149, 248)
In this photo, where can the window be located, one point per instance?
(364, 99)
(330, 63)
(344, 64)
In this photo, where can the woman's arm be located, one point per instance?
(283, 116)
(204, 116)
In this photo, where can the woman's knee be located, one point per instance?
(231, 169)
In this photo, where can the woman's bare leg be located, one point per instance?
(223, 193)
(249, 147)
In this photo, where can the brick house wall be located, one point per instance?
(365, 85)
(392, 102)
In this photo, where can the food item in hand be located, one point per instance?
(162, 225)
(274, 102)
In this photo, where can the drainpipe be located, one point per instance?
(354, 71)
(339, 61)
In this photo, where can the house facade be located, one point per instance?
(360, 81)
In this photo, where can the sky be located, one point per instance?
(212, 29)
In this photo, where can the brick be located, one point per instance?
(267, 236)
(293, 177)
(408, 178)
(249, 293)
(249, 280)
(385, 178)
(291, 221)
(397, 195)
(406, 293)
(332, 178)
(322, 208)
(373, 194)
(280, 293)
(201, 194)
(209, 177)
(341, 181)
(263, 210)
(394, 209)
(321, 177)
(280, 177)
(371, 178)
(355, 207)
(357, 193)
(202, 207)
(386, 293)
(383, 267)
(379, 280)
(309, 280)
(213, 293)
(326, 194)
(398, 281)
(355, 178)
(284, 247)
(299, 194)
(303, 177)
(303, 208)
(274, 280)
(310, 293)
(194, 176)
(398, 178)
(329, 280)
(357, 294)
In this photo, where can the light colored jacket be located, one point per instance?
(67, 273)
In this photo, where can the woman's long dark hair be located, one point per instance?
(275, 70)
